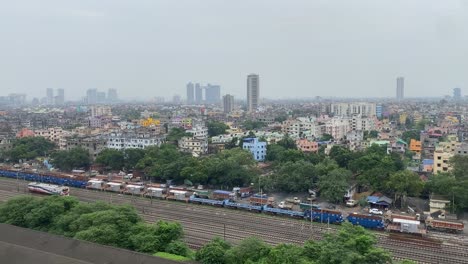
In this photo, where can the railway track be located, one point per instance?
(202, 223)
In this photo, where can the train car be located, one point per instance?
(50, 189)
(366, 220)
(406, 226)
(308, 206)
(390, 216)
(242, 206)
(114, 186)
(284, 212)
(444, 225)
(197, 200)
(324, 216)
(222, 195)
(134, 189)
(156, 192)
(178, 195)
(95, 184)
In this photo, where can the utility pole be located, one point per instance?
(224, 232)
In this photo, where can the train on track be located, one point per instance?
(257, 203)
(50, 189)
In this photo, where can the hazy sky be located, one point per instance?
(300, 48)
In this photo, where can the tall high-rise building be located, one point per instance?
(190, 93)
(253, 92)
(91, 96)
(456, 94)
(400, 90)
(50, 96)
(212, 94)
(198, 94)
(101, 97)
(60, 98)
(112, 95)
(228, 103)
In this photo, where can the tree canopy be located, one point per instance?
(216, 128)
(75, 158)
(28, 148)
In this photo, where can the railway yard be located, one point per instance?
(202, 223)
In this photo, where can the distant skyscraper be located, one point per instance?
(253, 92)
(91, 96)
(457, 94)
(50, 96)
(212, 94)
(400, 90)
(101, 97)
(60, 98)
(228, 103)
(176, 99)
(112, 95)
(198, 94)
(190, 93)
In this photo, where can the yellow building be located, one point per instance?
(150, 122)
(441, 160)
(403, 117)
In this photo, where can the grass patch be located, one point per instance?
(171, 256)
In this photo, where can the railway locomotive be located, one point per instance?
(257, 203)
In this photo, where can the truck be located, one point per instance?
(294, 200)
(262, 200)
(444, 225)
(222, 195)
(389, 217)
(351, 203)
(284, 205)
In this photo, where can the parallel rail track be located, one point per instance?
(202, 223)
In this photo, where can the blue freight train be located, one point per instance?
(45, 178)
(367, 221)
(316, 214)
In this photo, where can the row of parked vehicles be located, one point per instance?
(241, 199)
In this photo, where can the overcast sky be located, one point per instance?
(299, 48)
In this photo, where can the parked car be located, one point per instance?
(375, 211)
(351, 203)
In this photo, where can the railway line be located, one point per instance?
(202, 223)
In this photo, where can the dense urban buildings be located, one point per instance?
(253, 92)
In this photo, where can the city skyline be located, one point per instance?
(313, 48)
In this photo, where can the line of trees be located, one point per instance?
(118, 226)
(352, 244)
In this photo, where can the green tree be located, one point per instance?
(249, 250)
(178, 247)
(459, 164)
(287, 142)
(326, 137)
(132, 156)
(405, 183)
(175, 134)
(286, 254)
(216, 128)
(292, 177)
(341, 155)
(213, 252)
(410, 134)
(15, 210)
(352, 244)
(274, 152)
(334, 184)
(71, 159)
(29, 148)
(253, 125)
(111, 158)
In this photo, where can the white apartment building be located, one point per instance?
(125, 140)
(349, 109)
(337, 127)
(302, 127)
(97, 111)
(196, 146)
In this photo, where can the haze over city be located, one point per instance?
(299, 48)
